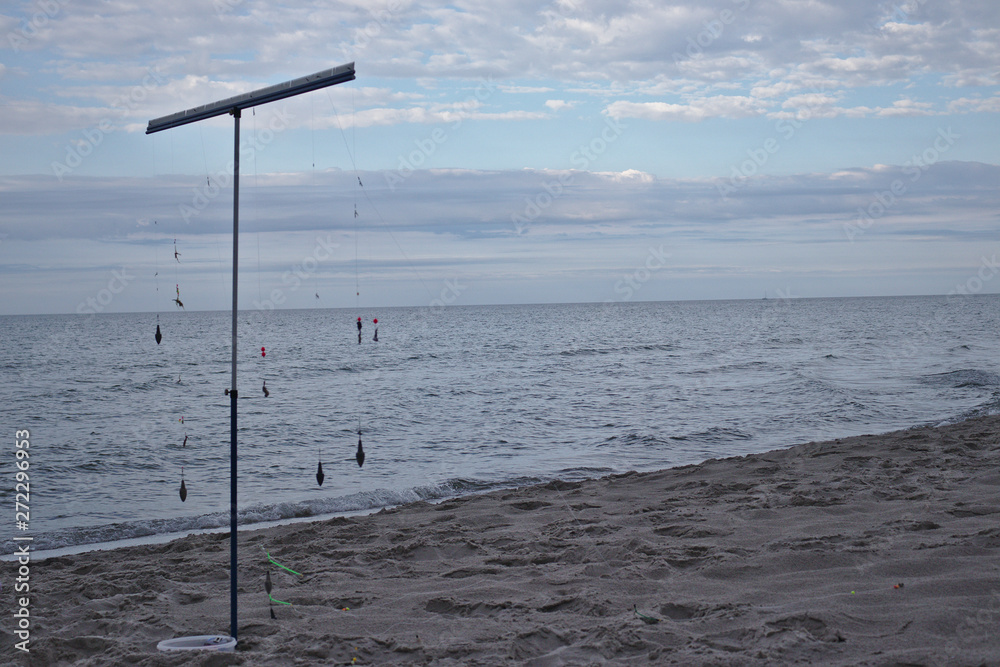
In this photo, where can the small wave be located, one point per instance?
(715, 434)
(963, 378)
(581, 473)
(421, 356)
(989, 408)
(585, 351)
(653, 347)
(590, 351)
(256, 514)
(642, 442)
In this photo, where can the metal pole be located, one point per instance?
(232, 388)
(233, 106)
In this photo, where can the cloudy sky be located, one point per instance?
(508, 151)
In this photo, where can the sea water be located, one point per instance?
(453, 400)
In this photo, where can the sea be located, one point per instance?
(449, 401)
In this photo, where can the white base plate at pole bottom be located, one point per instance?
(199, 643)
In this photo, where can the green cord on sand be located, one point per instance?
(283, 568)
(279, 565)
(650, 620)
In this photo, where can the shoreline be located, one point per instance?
(792, 554)
(162, 538)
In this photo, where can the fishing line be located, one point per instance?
(359, 455)
(156, 263)
(256, 205)
(354, 188)
(256, 225)
(223, 274)
(354, 129)
(279, 564)
(354, 193)
(204, 154)
(312, 139)
(182, 492)
(378, 215)
(177, 277)
(155, 169)
(267, 581)
(156, 277)
(357, 282)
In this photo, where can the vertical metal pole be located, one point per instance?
(232, 388)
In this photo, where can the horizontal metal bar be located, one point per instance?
(329, 77)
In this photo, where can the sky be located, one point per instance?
(511, 151)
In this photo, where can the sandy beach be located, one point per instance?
(880, 550)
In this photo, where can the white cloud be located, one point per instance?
(867, 69)
(907, 107)
(727, 106)
(559, 105)
(771, 90)
(446, 115)
(518, 90)
(27, 117)
(627, 176)
(975, 105)
(809, 100)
